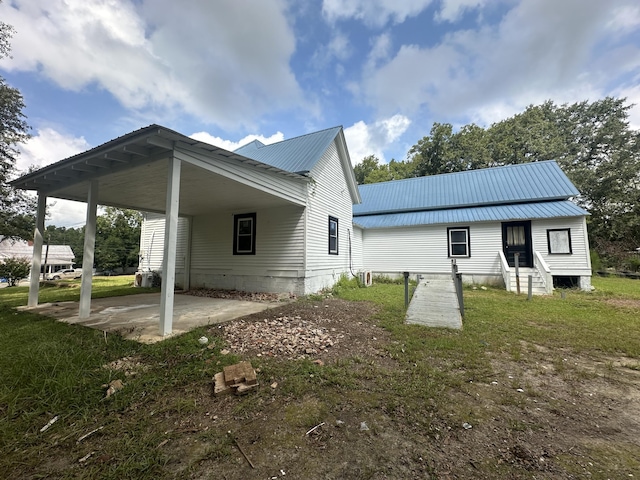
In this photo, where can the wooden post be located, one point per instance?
(516, 258)
(530, 287)
(459, 292)
(406, 289)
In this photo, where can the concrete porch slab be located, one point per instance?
(137, 317)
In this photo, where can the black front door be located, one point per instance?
(516, 238)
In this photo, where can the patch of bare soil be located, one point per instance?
(328, 330)
(624, 302)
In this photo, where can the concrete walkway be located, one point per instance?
(435, 304)
(137, 317)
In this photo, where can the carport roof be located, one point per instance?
(132, 173)
(127, 150)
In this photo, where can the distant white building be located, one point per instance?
(54, 257)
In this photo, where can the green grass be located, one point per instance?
(50, 368)
(69, 290)
(616, 287)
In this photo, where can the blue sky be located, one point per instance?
(231, 71)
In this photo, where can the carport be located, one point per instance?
(148, 170)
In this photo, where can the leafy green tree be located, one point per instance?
(432, 154)
(17, 209)
(117, 238)
(603, 160)
(530, 136)
(370, 170)
(14, 270)
(365, 168)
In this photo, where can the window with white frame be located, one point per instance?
(244, 234)
(559, 241)
(333, 236)
(458, 240)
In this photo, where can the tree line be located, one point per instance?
(591, 141)
(117, 239)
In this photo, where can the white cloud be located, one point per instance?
(380, 51)
(452, 10)
(364, 140)
(625, 19)
(376, 13)
(46, 147)
(224, 62)
(529, 57)
(338, 49)
(66, 213)
(231, 145)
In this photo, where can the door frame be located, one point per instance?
(528, 247)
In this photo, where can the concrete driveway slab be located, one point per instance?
(137, 317)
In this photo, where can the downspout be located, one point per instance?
(350, 255)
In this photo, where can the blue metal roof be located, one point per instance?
(296, 155)
(527, 182)
(500, 213)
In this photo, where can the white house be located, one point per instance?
(53, 257)
(297, 248)
(482, 219)
(289, 217)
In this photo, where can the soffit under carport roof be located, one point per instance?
(132, 173)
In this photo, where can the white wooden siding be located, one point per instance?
(328, 196)
(152, 242)
(279, 243)
(356, 249)
(576, 263)
(424, 249)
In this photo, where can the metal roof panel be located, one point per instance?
(499, 213)
(298, 154)
(527, 182)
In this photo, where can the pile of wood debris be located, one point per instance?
(238, 379)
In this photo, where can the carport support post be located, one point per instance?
(170, 241)
(36, 260)
(89, 250)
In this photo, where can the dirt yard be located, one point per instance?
(346, 413)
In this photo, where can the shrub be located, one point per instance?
(345, 284)
(634, 263)
(14, 269)
(596, 262)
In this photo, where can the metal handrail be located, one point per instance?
(457, 283)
